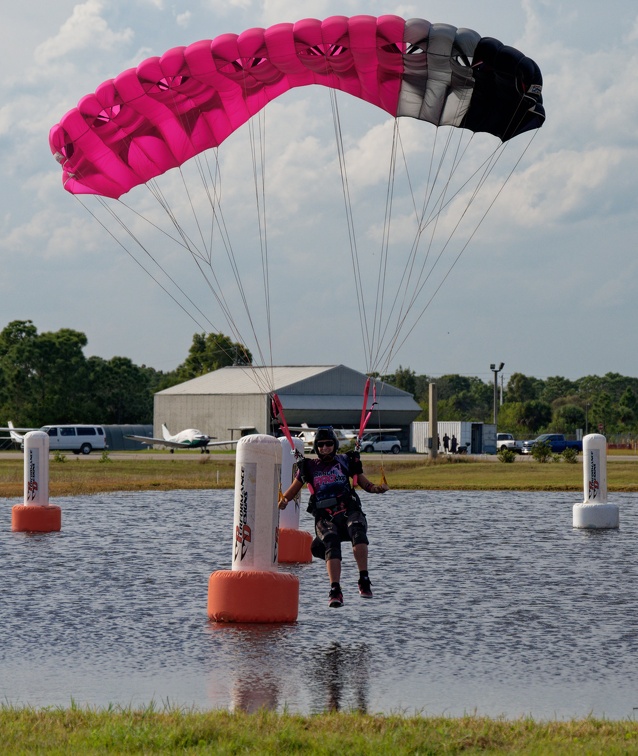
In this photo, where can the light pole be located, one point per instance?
(496, 371)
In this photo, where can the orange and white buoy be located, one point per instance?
(294, 544)
(253, 590)
(36, 515)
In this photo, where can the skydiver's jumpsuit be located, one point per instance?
(334, 503)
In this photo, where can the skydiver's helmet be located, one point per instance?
(325, 433)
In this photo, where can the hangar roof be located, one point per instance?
(302, 380)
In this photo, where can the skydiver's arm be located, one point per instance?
(290, 493)
(369, 486)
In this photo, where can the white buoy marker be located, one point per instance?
(595, 511)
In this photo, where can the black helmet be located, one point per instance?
(325, 433)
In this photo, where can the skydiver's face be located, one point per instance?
(325, 448)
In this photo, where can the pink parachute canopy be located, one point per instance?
(170, 108)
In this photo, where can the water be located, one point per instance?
(485, 602)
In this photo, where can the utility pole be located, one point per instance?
(496, 371)
(434, 430)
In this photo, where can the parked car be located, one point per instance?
(380, 442)
(557, 443)
(507, 441)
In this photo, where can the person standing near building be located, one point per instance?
(336, 508)
(446, 443)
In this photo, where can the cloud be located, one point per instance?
(228, 7)
(184, 19)
(632, 36)
(86, 29)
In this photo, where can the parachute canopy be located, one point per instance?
(170, 108)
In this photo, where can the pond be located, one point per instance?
(484, 602)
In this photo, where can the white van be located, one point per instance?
(80, 439)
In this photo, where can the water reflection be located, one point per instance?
(340, 676)
(487, 602)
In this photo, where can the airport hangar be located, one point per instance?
(235, 401)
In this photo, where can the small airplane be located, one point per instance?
(191, 438)
(16, 434)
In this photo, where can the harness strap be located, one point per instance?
(278, 412)
(365, 417)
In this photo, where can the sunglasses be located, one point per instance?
(321, 444)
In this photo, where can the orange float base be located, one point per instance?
(253, 596)
(294, 546)
(30, 518)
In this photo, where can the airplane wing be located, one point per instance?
(307, 429)
(175, 444)
(150, 441)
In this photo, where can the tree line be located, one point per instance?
(45, 377)
(607, 404)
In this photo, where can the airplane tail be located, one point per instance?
(14, 436)
(166, 433)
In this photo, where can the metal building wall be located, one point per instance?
(461, 429)
(116, 436)
(220, 416)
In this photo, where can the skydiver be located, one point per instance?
(336, 508)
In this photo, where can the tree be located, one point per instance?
(603, 412)
(627, 409)
(555, 388)
(44, 374)
(535, 416)
(567, 418)
(520, 388)
(120, 391)
(402, 378)
(210, 352)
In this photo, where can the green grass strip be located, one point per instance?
(28, 730)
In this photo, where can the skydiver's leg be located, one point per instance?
(360, 551)
(333, 566)
(328, 532)
(357, 530)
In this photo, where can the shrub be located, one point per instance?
(58, 456)
(542, 451)
(506, 455)
(570, 455)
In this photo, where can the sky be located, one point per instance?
(545, 282)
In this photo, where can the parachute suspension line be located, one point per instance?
(467, 242)
(385, 349)
(259, 178)
(182, 241)
(199, 257)
(378, 331)
(211, 181)
(354, 253)
(441, 203)
(433, 221)
(135, 260)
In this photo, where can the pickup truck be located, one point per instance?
(507, 441)
(557, 442)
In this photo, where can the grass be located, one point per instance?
(80, 476)
(117, 730)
